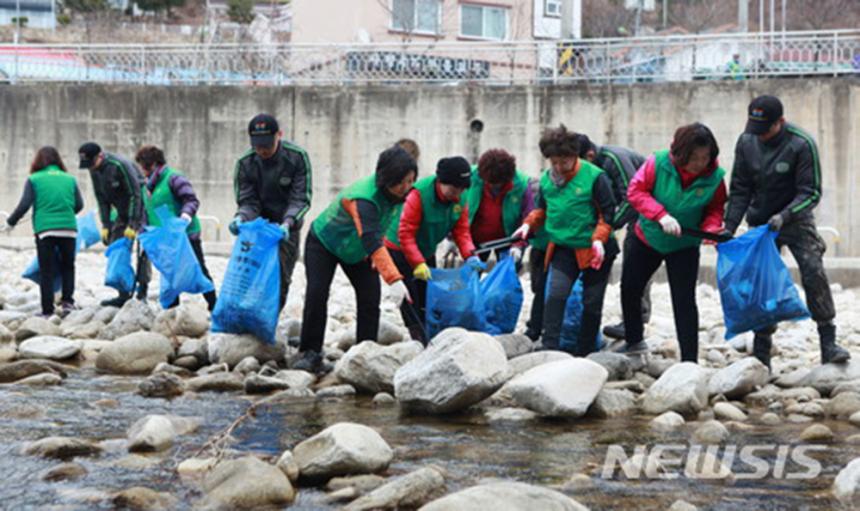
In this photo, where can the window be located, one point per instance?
(420, 16)
(483, 21)
(552, 8)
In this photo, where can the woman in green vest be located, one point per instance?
(54, 195)
(675, 189)
(575, 197)
(166, 186)
(349, 233)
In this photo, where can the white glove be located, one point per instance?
(598, 253)
(449, 247)
(670, 226)
(5, 227)
(517, 254)
(185, 217)
(522, 232)
(399, 292)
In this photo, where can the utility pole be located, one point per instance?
(639, 6)
(743, 16)
(761, 15)
(17, 20)
(666, 13)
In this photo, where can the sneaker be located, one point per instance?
(614, 331)
(118, 302)
(633, 349)
(66, 308)
(309, 361)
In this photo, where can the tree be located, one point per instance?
(86, 6)
(240, 11)
(700, 15)
(821, 14)
(159, 5)
(607, 18)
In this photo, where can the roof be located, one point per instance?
(26, 5)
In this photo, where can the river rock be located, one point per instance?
(287, 464)
(36, 326)
(817, 433)
(186, 320)
(193, 467)
(559, 389)
(668, 421)
(197, 348)
(136, 353)
(613, 403)
(405, 492)
(683, 388)
(134, 316)
(711, 432)
(87, 331)
(216, 382)
(384, 399)
(370, 367)
(49, 347)
(521, 364)
(61, 447)
(64, 472)
(336, 391)
(247, 365)
(259, 384)
(41, 380)
(18, 370)
(458, 369)
(296, 379)
(142, 498)
(843, 405)
(8, 353)
(616, 364)
(342, 449)
(847, 483)
(510, 415)
(247, 483)
(161, 384)
(155, 433)
(6, 335)
(824, 378)
(79, 317)
(515, 344)
(728, 411)
(231, 349)
(739, 378)
(505, 496)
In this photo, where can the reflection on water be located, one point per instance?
(466, 446)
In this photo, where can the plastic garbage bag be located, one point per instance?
(756, 289)
(503, 297)
(454, 299)
(573, 321)
(87, 228)
(119, 273)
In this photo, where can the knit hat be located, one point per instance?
(454, 171)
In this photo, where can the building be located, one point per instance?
(34, 13)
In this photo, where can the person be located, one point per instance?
(538, 244)
(272, 180)
(575, 197)
(675, 189)
(734, 68)
(117, 184)
(411, 147)
(168, 187)
(54, 195)
(435, 208)
(349, 233)
(776, 180)
(620, 164)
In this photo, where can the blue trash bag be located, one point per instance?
(87, 228)
(454, 299)
(503, 297)
(573, 321)
(248, 301)
(34, 273)
(170, 252)
(756, 289)
(119, 273)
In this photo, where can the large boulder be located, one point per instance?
(683, 388)
(847, 484)
(342, 449)
(186, 320)
(826, 377)
(134, 316)
(613, 403)
(36, 326)
(458, 369)
(61, 447)
(519, 365)
(136, 353)
(565, 388)
(247, 483)
(739, 378)
(50, 347)
(405, 492)
(504, 496)
(370, 367)
(231, 349)
(156, 432)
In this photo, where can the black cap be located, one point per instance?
(454, 171)
(88, 153)
(263, 129)
(763, 112)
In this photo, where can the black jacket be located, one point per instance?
(277, 189)
(117, 184)
(780, 176)
(620, 164)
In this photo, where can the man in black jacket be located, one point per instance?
(272, 180)
(776, 180)
(117, 186)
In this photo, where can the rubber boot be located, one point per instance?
(830, 352)
(762, 343)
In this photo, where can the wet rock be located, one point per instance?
(457, 370)
(793, 378)
(6, 335)
(510, 415)
(87, 331)
(247, 365)
(668, 421)
(164, 385)
(61, 447)
(404, 492)
(847, 484)
(362, 483)
(188, 363)
(613, 403)
(521, 364)
(559, 389)
(64, 472)
(632, 385)
(826, 377)
(711, 432)
(213, 369)
(259, 384)
(703, 464)
(739, 379)
(231, 349)
(216, 382)
(770, 419)
(155, 433)
(164, 367)
(336, 391)
(14, 371)
(195, 466)
(683, 388)
(764, 396)
(800, 394)
(143, 499)
(296, 379)
(817, 433)
(197, 348)
(79, 317)
(342, 449)
(134, 316)
(680, 505)
(849, 386)
(808, 409)
(36, 326)
(384, 399)
(855, 419)
(187, 320)
(287, 464)
(794, 418)
(41, 380)
(136, 353)
(370, 367)
(505, 495)
(49, 347)
(515, 345)
(616, 364)
(8, 353)
(843, 405)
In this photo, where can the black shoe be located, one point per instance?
(633, 349)
(614, 331)
(531, 334)
(830, 352)
(310, 361)
(118, 302)
(761, 349)
(142, 292)
(66, 308)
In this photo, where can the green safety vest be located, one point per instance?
(161, 195)
(570, 213)
(687, 205)
(335, 227)
(512, 204)
(437, 218)
(54, 202)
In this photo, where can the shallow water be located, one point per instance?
(466, 446)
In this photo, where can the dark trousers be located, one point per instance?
(197, 246)
(563, 272)
(56, 254)
(537, 275)
(646, 294)
(682, 267)
(288, 254)
(418, 292)
(143, 275)
(320, 265)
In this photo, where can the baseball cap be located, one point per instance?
(763, 112)
(88, 153)
(454, 171)
(263, 129)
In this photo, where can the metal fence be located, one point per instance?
(616, 60)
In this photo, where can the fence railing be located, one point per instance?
(616, 60)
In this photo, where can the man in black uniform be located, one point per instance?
(273, 180)
(776, 180)
(117, 186)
